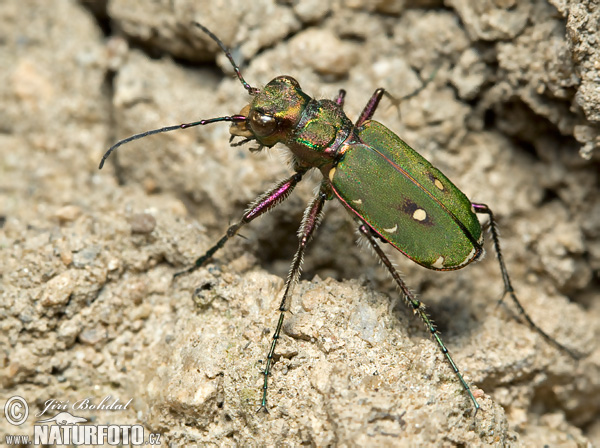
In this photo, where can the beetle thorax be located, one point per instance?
(312, 129)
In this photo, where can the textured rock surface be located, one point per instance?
(88, 306)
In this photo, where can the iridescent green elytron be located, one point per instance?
(394, 194)
(409, 211)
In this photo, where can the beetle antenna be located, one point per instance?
(251, 90)
(232, 118)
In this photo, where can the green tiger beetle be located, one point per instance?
(392, 192)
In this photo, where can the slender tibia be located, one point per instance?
(508, 288)
(265, 202)
(312, 217)
(417, 307)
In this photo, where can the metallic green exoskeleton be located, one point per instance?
(394, 194)
(400, 195)
(406, 200)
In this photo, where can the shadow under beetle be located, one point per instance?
(393, 193)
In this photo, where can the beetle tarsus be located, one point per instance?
(419, 308)
(508, 288)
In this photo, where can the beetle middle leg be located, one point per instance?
(417, 306)
(508, 288)
(265, 202)
(310, 221)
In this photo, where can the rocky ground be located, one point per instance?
(88, 305)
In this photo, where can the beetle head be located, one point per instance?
(273, 112)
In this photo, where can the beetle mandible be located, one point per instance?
(417, 209)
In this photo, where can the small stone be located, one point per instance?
(85, 256)
(91, 336)
(113, 264)
(142, 223)
(68, 213)
(58, 290)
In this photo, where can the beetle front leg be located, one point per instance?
(417, 306)
(508, 288)
(265, 202)
(310, 221)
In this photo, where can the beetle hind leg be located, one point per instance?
(508, 288)
(418, 307)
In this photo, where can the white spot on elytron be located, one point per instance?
(419, 214)
(439, 263)
(392, 229)
(469, 257)
(358, 202)
(331, 174)
(438, 184)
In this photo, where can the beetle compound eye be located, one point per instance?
(262, 124)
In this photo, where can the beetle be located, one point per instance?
(394, 194)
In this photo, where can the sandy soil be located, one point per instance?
(88, 305)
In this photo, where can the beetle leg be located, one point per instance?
(310, 221)
(262, 204)
(369, 109)
(371, 106)
(417, 306)
(339, 100)
(508, 288)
